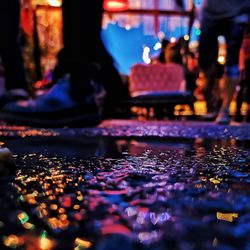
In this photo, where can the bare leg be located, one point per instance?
(228, 88)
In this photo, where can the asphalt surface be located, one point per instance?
(127, 185)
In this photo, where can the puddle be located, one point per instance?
(109, 194)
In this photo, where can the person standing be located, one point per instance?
(10, 51)
(227, 18)
(244, 93)
(85, 75)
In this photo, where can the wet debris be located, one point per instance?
(7, 163)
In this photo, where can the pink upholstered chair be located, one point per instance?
(156, 78)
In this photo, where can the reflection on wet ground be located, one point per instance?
(106, 193)
(132, 128)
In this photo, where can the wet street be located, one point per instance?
(127, 185)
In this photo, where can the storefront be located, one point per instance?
(132, 30)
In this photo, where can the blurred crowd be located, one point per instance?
(209, 86)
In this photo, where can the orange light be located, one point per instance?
(115, 5)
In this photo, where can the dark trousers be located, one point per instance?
(9, 45)
(208, 44)
(208, 51)
(84, 56)
(244, 93)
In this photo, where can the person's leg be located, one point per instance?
(247, 94)
(84, 55)
(82, 41)
(240, 96)
(234, 34)
(10, 51)
(247, 91)
(239, 101)
(208, 53)
(81, 36)
(77, 98)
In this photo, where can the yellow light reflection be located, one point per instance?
(46, 244)
(81, 243)
(29, 226)
(230, 217)
(53, 207)
(215, 181)
(76, 207)
(12, 241)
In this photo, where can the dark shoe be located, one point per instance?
(57, 108)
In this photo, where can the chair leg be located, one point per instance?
(159, 113)
(170, 111)
(191, 105)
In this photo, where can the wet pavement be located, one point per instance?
(127, 185)
(128, 128)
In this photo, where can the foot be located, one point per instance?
(223, 117)
(57, 108)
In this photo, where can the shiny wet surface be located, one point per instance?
(105, 193)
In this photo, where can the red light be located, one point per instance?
(115, 5)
